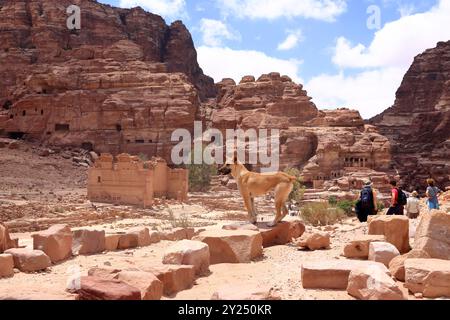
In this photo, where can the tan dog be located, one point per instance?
(252, 184)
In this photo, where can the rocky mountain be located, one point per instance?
(418, 124)
(126, 80)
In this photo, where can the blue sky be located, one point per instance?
(343, 54)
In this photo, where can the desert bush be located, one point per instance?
(299, 190)
(321, 214)
(182, 221)
(346, 206)
(200, 176)
(332, 200)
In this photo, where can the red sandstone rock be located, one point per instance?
(280, 234)
(127, 241)
(174, 277)
(28, 260)
(359, 247)
(432, 235)
(5, 240)
(382, 252)
(56, 242)
(431, 277)
(143, 236)
(232, 246)
(332, 274)
(420, 115)
(189, 252)
(314, 241)
(177, 234)
(397, 265)
(6, 265)
(373, 283)
(94, 288)
(112, 242)
(394, 228)
(105, 273)
(88, 241)
(150, 286)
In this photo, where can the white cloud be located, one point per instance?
(382, 64)
(222, 63)
(370, 92)
(165, 8)
(214, 31)
(292, 40)
(398, 42)
(326, 10)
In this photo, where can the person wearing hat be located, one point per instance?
(367, 203)
(413, 206)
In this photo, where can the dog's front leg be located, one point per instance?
(249, 207)
(254, 211)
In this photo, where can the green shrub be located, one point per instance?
(332, 201)
(321, 214)
(200, 176)
(346, 206)
(299, 190)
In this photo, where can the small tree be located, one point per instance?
(299, 190)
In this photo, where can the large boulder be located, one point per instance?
(394, 228)
(28, 260)
(358, 248)
(281, 234)
(189, 252)
(56, 242)
(95, 288)
(433, 234)
(431, 277)
(88, 241)
(150, 286)
(175, 278)
(232, 246)
(229, 292)
(5, 240)
(332, 274)
(373, 283)
(397, 265)
(6, 265)
(382, 252)
(314, 241)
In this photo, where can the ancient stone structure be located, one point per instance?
(132, 181)
(418, 124)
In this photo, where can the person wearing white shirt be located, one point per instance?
(413, 206)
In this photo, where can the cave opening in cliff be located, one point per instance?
(7, 105)
(62, 127)
(88, 146)
(16, 135)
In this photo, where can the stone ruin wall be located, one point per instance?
(132, 181)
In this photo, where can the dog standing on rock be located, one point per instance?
(252, 184)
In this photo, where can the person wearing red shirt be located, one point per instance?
(395, 208)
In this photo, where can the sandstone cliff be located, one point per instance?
(418, 124)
